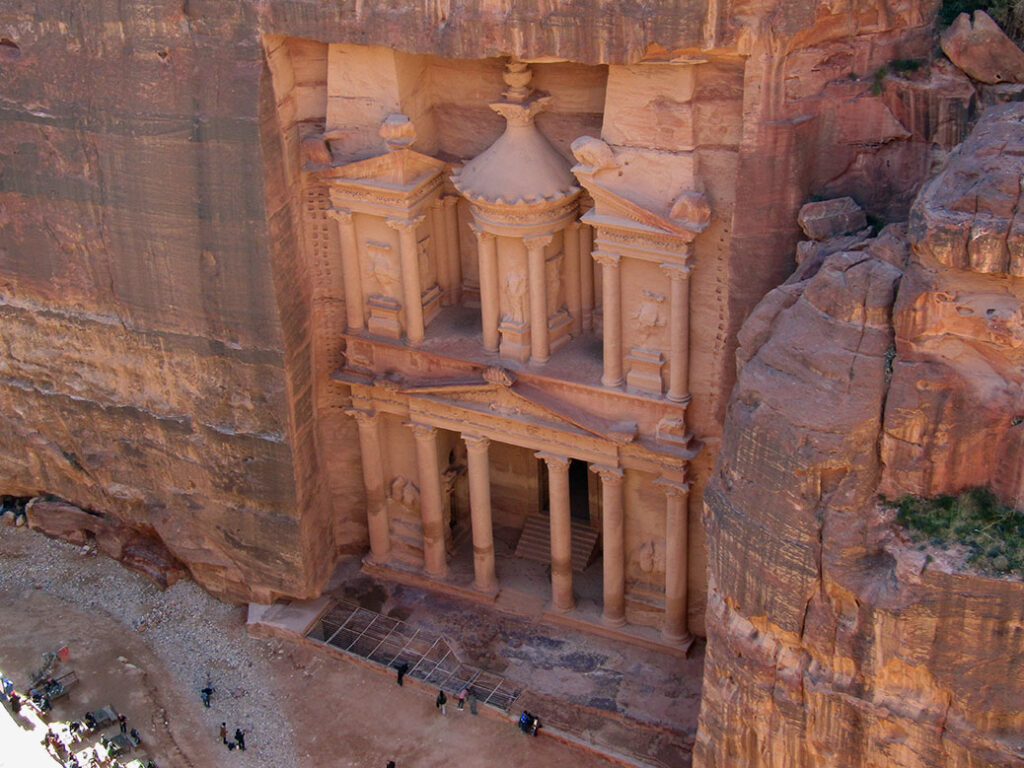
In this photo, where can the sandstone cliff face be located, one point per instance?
(832, 642)
(164, 322)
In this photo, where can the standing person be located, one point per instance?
(123, 722)
(224, 733)
(462, 698)
(206, 693)
(391, 764)
(472, 701)
(441, 701)
(240, 738)
(402, 669)
(15, 702)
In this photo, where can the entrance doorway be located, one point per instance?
(579, 490)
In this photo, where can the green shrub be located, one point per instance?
(992, 532)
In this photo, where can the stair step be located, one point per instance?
(535, 542)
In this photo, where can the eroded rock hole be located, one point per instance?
(9, 50)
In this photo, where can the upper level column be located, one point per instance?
(480, 512)
(679, 331)
(451, 223)
(490, 307)
(373, 480)
(350, 269)
(540, 349)
(611, 298)
(435, 563)
(412, 292)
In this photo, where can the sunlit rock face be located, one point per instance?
(169, 324)
(892, 365)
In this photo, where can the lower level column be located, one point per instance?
(614, 555)
(435, 563)
(677, 496)
(562, 599)
(373, 480)
(480, 513)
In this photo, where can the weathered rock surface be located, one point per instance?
(831, 218)
(832, 642)
(981, 49)
(167, 337)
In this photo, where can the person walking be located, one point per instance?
(240, 738)
(441, 701)
(224, 733)
(122, 721)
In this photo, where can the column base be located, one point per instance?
(677, 638)
(612, 383)
(436, 575)
(683, 399)
(488, 590)
(613, 621)
(382, 560)
(557, 609)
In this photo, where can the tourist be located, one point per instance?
(391, 764)
(15, 700)
(402, 669)
(462, 698)
(472, 701)
(123, 722)
(240, 738)
(206, 693)
(441, 701)
(224, 733)
(75, 728)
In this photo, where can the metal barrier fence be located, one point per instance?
(390, 642)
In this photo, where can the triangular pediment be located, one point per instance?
(522, 402)
(400, 169)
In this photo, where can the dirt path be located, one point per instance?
(148, 652)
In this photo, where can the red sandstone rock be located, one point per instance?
(982, 50)
(831, 218)
(830, 641)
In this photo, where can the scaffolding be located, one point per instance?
(390, 643)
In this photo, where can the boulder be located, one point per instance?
(831, 218)
(982, 50)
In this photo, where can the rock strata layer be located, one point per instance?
(892, 365)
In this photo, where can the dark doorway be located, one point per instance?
(579, 496)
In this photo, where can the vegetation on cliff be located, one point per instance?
(992, 531)
(1008, 14)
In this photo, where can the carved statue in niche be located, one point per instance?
(516, 287)
(381, 269)
(553, 276)
(404, 492)
(648, 315)
(426, 268)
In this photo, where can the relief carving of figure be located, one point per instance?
(404, 492)
(648, 315)
(516, 287)
(381, 268)
(553, 269)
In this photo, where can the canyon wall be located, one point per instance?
(167, 323)
(894, 365)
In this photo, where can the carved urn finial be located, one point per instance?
(397, 131)
(517, 77)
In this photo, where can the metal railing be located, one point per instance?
(390, 642)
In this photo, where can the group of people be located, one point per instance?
(205, 694)
(466, 694)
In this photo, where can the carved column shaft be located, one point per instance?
(587, 275)
(435, 563)
(480, 512)
(350, 269)
(412, 291)
(573, 287)
(439, 232)
(373, 480)
(540, 349)
(561, 532)
(451, 225)
(679, 323)
(677, 529)
(611, 303)
(614, 540)
(489, 302)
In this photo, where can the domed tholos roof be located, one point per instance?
(521, 166)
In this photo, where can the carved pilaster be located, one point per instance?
(611, 300)
(350, 269)
(412, 290)
(679, 330)
(452, 240)
(490, 306)
(539, 346)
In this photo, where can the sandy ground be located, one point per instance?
(147, 653)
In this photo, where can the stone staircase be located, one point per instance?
(535, 542)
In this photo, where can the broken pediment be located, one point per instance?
(623, 187)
